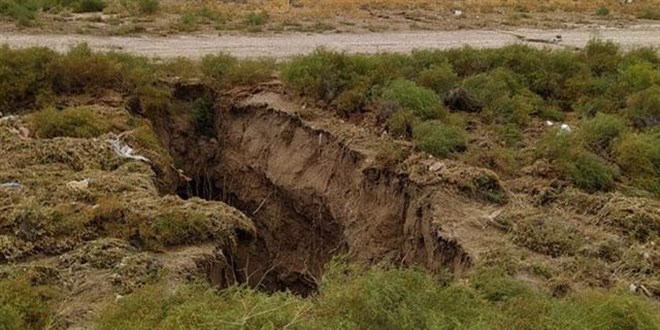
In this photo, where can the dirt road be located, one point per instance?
(285, 45)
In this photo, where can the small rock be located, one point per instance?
(437, 166)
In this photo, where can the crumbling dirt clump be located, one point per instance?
(76, 215)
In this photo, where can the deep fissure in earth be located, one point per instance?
(310, 197)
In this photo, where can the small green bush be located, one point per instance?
(439, 78)
(439, 139)
(587, 171)
(73, 122)
(324, 75)
(424, 103)
(602, 11)
(82, 70)
(649, 12)
(583, 168)
(256, 19)
(87, 6)
(488, 87)
(602, 56)
(401, 123)
(639, 76)
(496, 286)
(599, 132)
(643, 108)
(23, 76)
(26, 306)
(203, 116)
(148, 7)
(638, 155)
(182, 228)
(227, 71)
(588, 107)
(514, 110)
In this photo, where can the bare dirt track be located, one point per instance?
(286, 45)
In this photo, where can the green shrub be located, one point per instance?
(587, 171)
(87, 6)
(599, 132)
(643, 108)
(181, 228)
(406, 95)
(496, 286)
(559, 77)
(82, 70)
(439, 78)
(24, 12)
(510, 133)
(488, 87)
(439, 139)
(638, 155)
(602, 56)
(227, 71)
(73, 122)
(401, 123)
(551, 112)
(256, 19)
(354, 296)
(26, 306)
(148, 7)
(203, 116)
(583, 168)
(590, 106)
(649, 12)
(324, 75)
(602, 11)
(515, 110)
(468, 61)
(217, 66)
(197, 306)
(23, 76)
(639, 76)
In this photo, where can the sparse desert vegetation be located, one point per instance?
(171, 17)
(532, 174)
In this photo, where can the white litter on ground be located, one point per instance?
(566, 128)
(125, 151)
(11, 184)
(78, 185)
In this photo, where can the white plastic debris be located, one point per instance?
(549, 123)
(565, 128)
(78, 185)
(632, 287)
(11, 185)
(124, 151)
(457, 12)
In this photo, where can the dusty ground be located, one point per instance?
(285, 45)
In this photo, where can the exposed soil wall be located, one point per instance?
(310, 196)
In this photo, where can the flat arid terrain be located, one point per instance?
(290, 44)
(329, 164)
